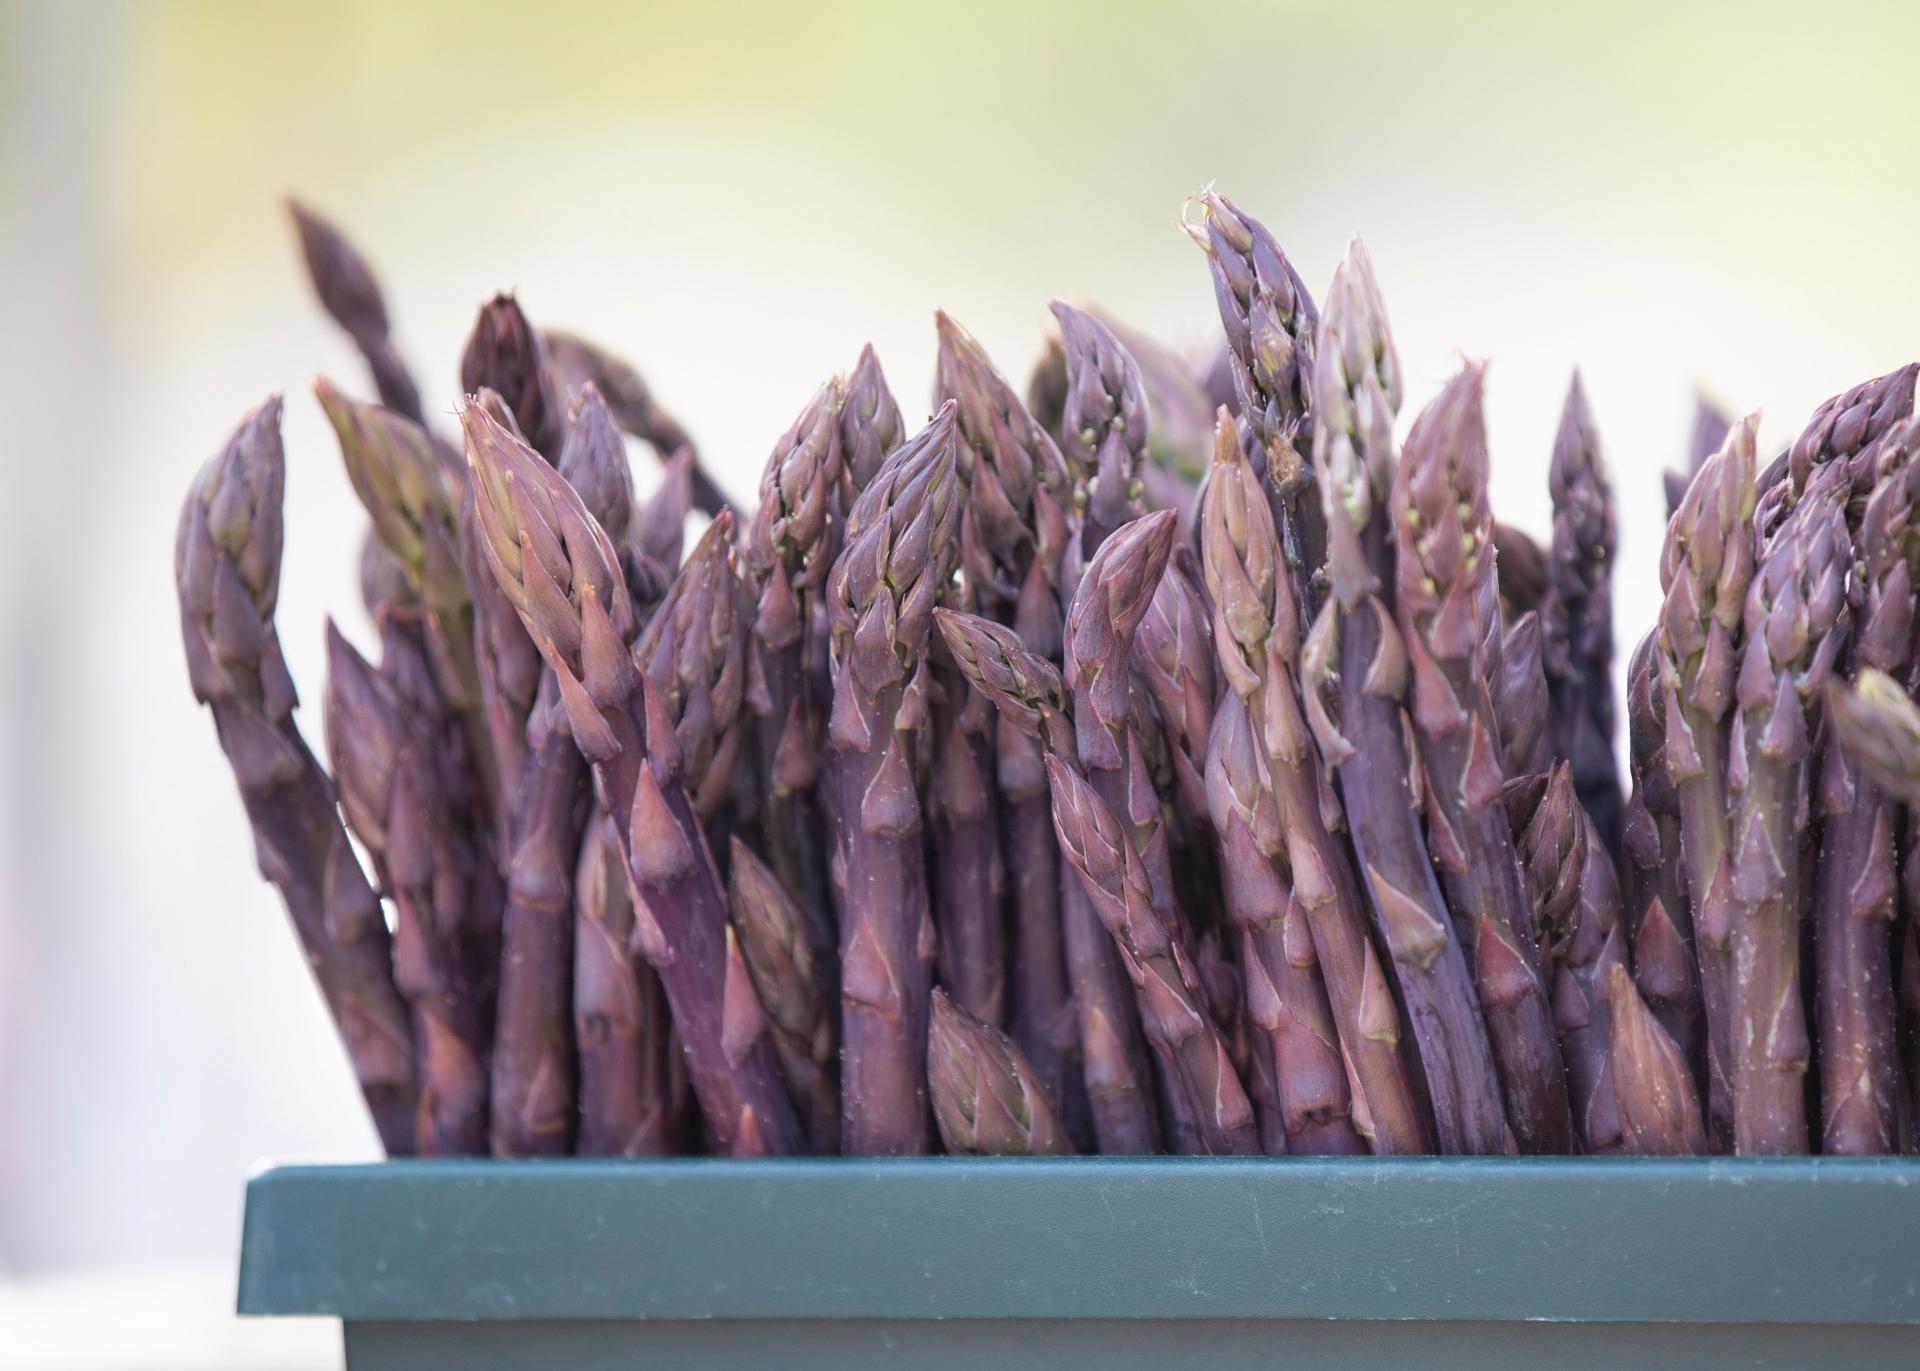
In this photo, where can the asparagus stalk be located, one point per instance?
(1355, 670)
(1008, 464)
(1571, 881)
(1174, 662)
(1520, 699)
(350, 294)
(659, 523)
(394, 792)
(1172, 1002)
(1659, 1104)
(898, 554)
(1027, 691)
(633, 1074)
(1180, 437)
(794, 986)
(1257, 636)
(575, 361)
(693, 650)
(227, 569)
(1443, 537)
(1862, 1111)
(1272, 331)
(1851, 428)
(1710, 426)
(1103, 423)
(1522, 570)
(412, 496)
(1667, 974)
(505, 355)
(1578, 615)
(533, 1058)
(1285, 997)
(563, 576)
(986, 1097)
(1794, 626)
(789, 551)
(1113, 597)
(870, 425)
(1862, 1108)
(1705, 567)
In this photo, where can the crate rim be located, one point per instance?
(1721, 1240)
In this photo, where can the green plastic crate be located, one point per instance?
(1096, 1263)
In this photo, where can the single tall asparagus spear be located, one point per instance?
(412, 496)
(633, 1075)
(1710, 425)
(795, 988)
(1443, 544)
(1520, 699)
(227, 568)
(533, 1059)
(1861, 1103)
(694, 652)
(1571, 881)
(897, 556)
(1257, 636)
(393, 787)
(1659, 1103)
(1172, 1002)
(564, 579)
(1577, 622)
(789, 551)
(1027, 690)
(505, 355)
(1356, 670)
(1705, 566)
(1795, 625)
(1666, 972)
(1007, 463)
(986, 1097)
(870, 425)
(1113, 598)
(350, 293)
(1271, 329)
(1285, 997)
(576, 361)
(1103, 422)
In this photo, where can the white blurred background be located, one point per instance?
(1665, 195)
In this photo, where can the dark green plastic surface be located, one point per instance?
(1791, 1242)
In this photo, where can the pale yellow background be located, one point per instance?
(740, 196)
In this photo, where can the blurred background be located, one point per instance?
(737, 197)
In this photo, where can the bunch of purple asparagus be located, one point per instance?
(1173, 758)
